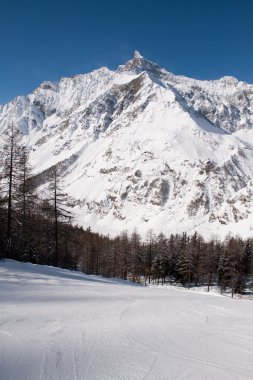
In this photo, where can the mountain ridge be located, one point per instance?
(144, 148)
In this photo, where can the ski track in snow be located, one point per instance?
(61, 325)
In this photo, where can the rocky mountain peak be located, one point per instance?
(228, 80)
(139, 64)
(137, 55)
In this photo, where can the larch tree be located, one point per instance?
(58, 214)
(10, 185)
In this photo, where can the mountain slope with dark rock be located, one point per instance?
(142, 147)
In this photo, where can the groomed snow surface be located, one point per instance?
(56, 324)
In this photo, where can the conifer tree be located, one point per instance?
(10, 184)
(57, 210)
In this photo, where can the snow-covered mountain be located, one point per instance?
(142, 147)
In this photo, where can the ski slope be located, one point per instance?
(62, 325)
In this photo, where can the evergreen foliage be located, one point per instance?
(40, 231)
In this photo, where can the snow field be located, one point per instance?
(62, 325)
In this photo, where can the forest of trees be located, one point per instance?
(40, 231)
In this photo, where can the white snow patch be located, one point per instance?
(62, 325)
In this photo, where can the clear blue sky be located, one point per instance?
(47, 39)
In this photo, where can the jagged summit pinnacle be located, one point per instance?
(139, 64)
(137, 55)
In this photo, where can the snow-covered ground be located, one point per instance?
(56, 324)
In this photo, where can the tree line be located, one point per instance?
(41, 231)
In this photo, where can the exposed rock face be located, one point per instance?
(141, 147)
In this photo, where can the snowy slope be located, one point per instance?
(61, 325)
(141, 147)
